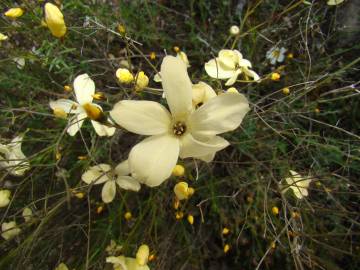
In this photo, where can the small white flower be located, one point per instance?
(84, 88)
(298, 184)
(9, 230)
(276, 54)
(185, 132)
(12, 158)
(4, 197)
(229, 65)
(103, 173)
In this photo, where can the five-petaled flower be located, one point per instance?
(84, 88)
(229, 65)
(185, 132)
(103, 173)
(276, 54)
(12, 157)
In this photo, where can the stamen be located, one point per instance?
(179, 128)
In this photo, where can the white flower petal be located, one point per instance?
(177, 86)
(67, 105)
(220, 114)
(108, 192)
(141, 117)
(152, 160)
(122, 168)
(215, 69)
(103, 130)
(233, 78)
(76, 123)
(202, 92)
(207, 158)
(84, 88)
(190, 147)
(9, 230)
(244, 63)
(4, 197)
(97, 174)
(157, 77)
(229, 58)
(128, 183)
(251, 74)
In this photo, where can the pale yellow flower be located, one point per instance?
(12, 157)
(9, 230)
(124, 75)
(27, 214)
(14, 13)
(104, 174)
(20, 62)
(334, 2)
(84, 88)
(298, 184)
(142, 255)
(128, 263)
(3, 37)
(4, 197)
(55, 20)
(185, 132)
(183, 57)
(142, 81)
(228, 66)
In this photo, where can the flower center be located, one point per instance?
(179, 128)
(276, 54)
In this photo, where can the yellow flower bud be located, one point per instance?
(232, 90)
(99, 209)
(152, 55)
(93, 112)
(67, 88)
(178, 170)
(234, 30)
(179, 215)
(142, 81)
(225, 231)
(55, 20)
(290, 56)
(14, 13)
(317, 110)
(58, 156)
(273, 244)
(226, 248)
(190, 219)
(152, 257)
(121, 28)
(60, 113)
(286, 90)
(82, 157)
(176, 204)
(99, 96)
(176, 49)
(128, 215)
(182, 192)
(275, 210)
(275, 76)
(191, 191)
(3, 37)
(124, 75)
(142, 255)
(79, 195)
(295, 215)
